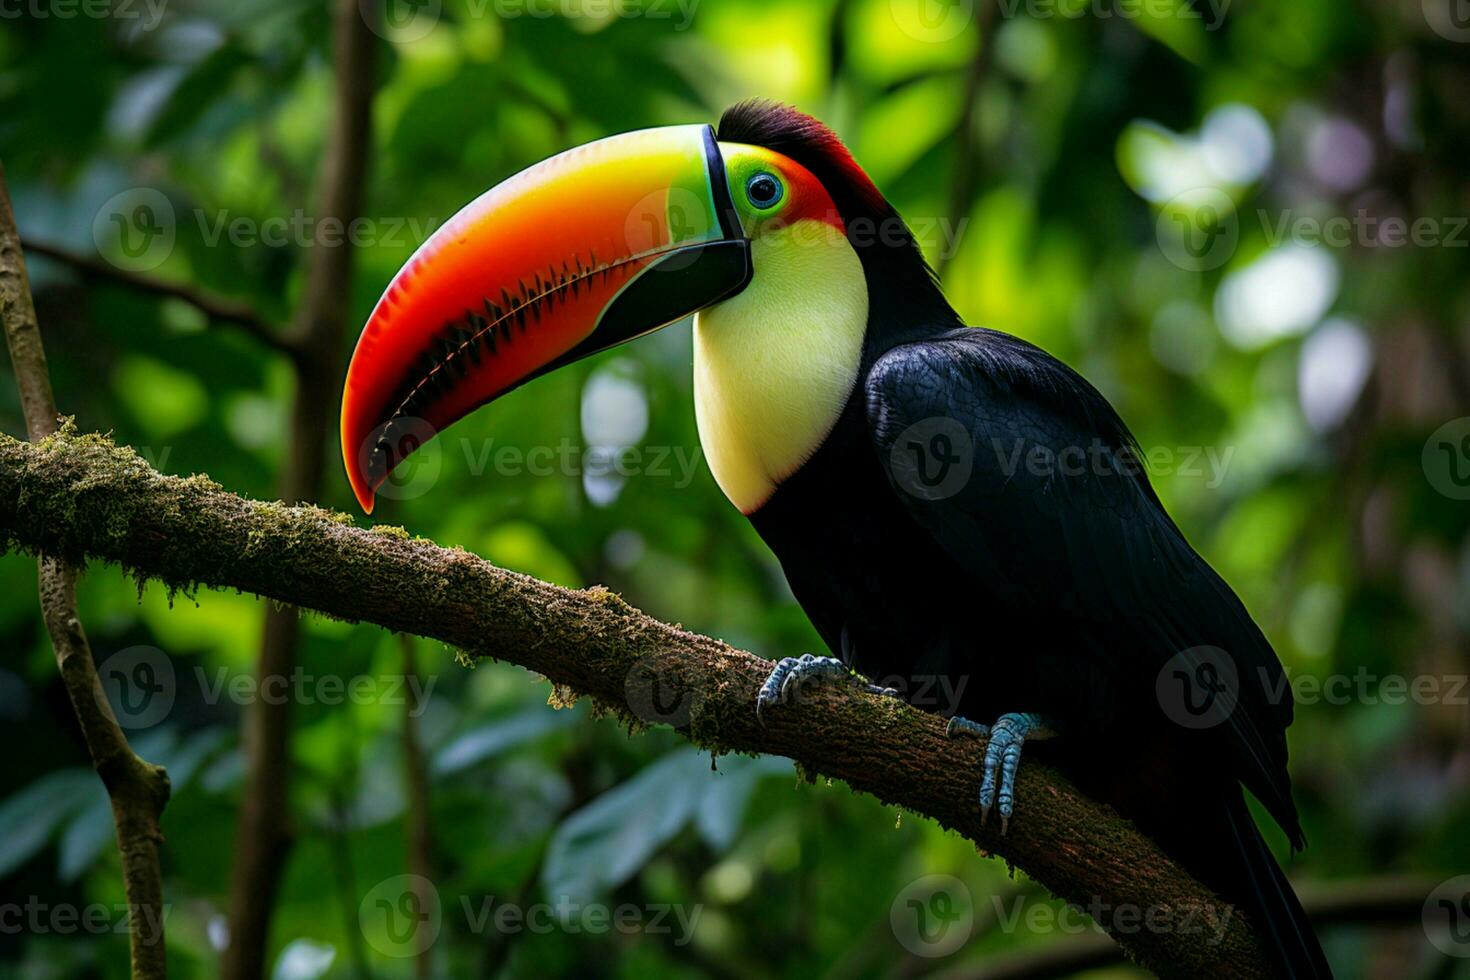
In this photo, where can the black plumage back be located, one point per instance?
(903, 289)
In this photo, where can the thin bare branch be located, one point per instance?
(137, 790)
(965, 176)
(419, 822)
(221, 309)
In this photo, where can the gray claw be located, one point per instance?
(964, 726)
(1002, 758)
(786, 680)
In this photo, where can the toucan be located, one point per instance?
(945, 501)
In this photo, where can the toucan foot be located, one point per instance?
(792, 673)
(964, 726)
(1002, 758)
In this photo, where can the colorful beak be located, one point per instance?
(591, 248)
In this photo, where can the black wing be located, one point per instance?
(1028, 479)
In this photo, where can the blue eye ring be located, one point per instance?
(764, 190)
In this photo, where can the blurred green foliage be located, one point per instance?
(1286, 385)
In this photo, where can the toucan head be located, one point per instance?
(586, 250)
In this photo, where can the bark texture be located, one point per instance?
(264, 834)
(81, 497)
(137, 790)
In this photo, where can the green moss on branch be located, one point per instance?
(81, 497)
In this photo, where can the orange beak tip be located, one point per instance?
(365, 496)
(544, 269)
(363, 493)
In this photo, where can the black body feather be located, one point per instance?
(1063, 594)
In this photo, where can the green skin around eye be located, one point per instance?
(750, 214)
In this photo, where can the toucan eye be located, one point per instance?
(763, 190)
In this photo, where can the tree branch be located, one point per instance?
(81, 497)
(136, 789)
(418, 821)
(263, 835)
(222, 309)
(965, 175)
(1372, 901)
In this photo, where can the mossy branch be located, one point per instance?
(81, 497)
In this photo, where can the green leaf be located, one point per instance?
(164, 400)
(184, 759)
(477, 745)
(197, 92)
(604, 844)
(609, 840)
(723, 806)
(30, 818)
(85, 838)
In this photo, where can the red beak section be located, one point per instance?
(583, 251)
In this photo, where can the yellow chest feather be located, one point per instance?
(775, 364)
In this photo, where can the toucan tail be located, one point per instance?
(1203, 823)
(1268, 900)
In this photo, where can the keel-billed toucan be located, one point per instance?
(946, 501)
